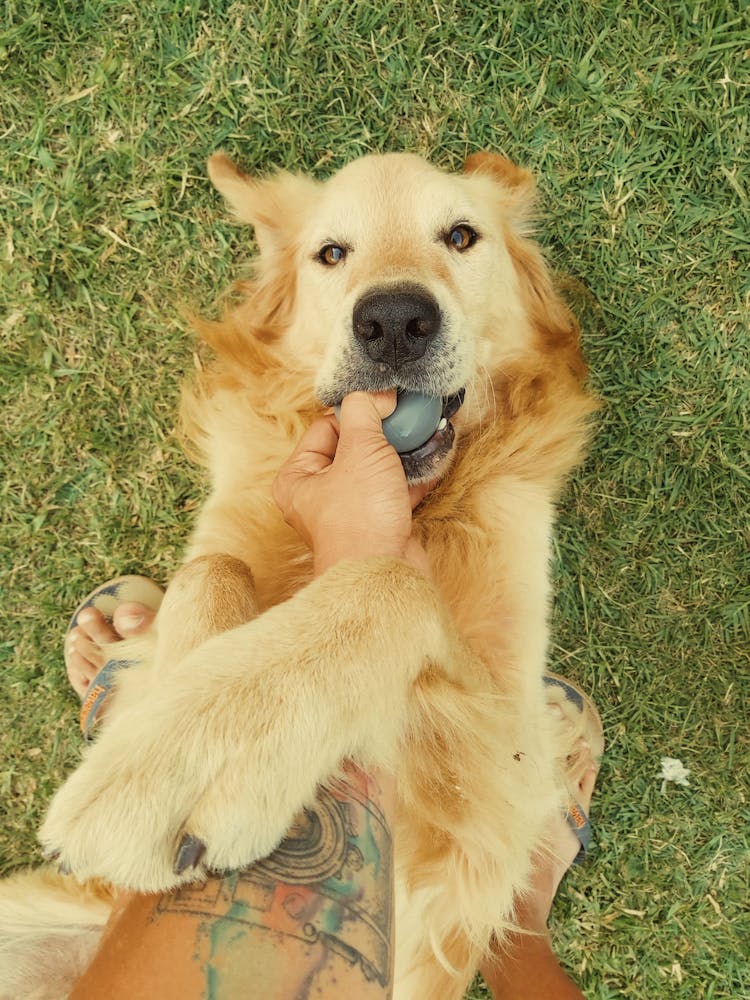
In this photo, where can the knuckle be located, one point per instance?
(279, 489)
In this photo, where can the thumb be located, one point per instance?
(362, 415)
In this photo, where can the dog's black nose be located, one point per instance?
(396, 325)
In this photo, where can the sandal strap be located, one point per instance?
(578, 822)
(577, 705)
(99, 693)
(571, 692)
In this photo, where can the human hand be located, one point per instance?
(344, 491)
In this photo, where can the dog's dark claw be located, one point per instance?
(51, 855)
(189, 853)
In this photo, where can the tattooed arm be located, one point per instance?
(312, 920)
(315, 918)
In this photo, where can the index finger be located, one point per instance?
(316, 448)
(418, 492)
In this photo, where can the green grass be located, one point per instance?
(633, 117)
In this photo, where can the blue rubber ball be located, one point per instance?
(413, 422)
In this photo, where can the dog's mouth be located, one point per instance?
(420, 429)
(423, 463)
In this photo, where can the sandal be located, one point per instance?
(106, 598)
(585, 735)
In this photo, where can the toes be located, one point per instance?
(86, 647)
(586, 787)
(236, 821)
(132, 618)
(106, 825)
(579, 761)
(80, 646)
(80, 669)
(95, 627)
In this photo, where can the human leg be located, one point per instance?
(525, 967)
(316, 915)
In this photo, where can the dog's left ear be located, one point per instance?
(271, 205)
(516, 183)
(555, 324)
(509, 174)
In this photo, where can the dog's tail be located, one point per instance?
(50, 926)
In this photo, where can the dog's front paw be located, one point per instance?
(158, 803)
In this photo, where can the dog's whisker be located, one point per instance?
(481, 383)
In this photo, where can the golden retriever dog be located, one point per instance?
(391, 274)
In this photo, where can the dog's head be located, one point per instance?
(394, 274)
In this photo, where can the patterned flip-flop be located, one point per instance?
(586, 740)
(106, 599)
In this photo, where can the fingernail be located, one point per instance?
(64, 868)
(189, 853)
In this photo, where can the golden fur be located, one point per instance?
(443, 680)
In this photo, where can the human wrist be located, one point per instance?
(342, 549)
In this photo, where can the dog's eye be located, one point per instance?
(331, 254)
(461, 238)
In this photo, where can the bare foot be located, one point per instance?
(551, 864)
(85, 654)
(524, 965)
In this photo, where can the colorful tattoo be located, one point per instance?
(327, 886)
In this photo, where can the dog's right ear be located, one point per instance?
(268, 204)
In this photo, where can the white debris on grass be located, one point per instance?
(674, 770)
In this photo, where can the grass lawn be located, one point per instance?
(633, 116)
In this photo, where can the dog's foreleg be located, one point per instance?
(229, 747)
(207, 596)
